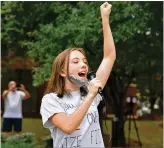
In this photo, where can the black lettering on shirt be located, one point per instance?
(95, 136)
(92, 117)
(74, 138)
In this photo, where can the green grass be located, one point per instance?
(35, 126)
(150, 132)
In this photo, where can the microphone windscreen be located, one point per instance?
(91, 75)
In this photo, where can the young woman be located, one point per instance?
(69, 110)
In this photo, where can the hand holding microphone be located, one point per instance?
(94, 85)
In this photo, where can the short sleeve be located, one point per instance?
(49, 106)
(22, 94)
(98, 99)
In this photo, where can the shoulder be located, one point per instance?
(50, 97)
(19, 92)
(51, 102)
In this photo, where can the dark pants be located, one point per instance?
(8, 123)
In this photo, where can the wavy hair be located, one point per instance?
(56, 82)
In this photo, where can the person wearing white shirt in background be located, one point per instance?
(12, 116)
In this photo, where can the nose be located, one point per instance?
(83, 65)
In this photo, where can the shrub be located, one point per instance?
(25, 140)
(48, 142)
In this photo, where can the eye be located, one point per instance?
(85, 62)
(75, 61)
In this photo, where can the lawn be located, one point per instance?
(150, 132)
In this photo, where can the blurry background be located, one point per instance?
(34, 33)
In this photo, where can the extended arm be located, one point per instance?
(109, 47)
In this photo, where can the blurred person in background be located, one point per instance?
(12, 116)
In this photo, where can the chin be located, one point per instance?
(83, 78)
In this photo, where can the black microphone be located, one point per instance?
(91, 75)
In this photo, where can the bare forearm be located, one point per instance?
(109, 47)
(69, 123)
(5, 93)
(27, 94)
(109, 53)
(76, 118)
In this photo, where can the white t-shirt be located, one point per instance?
(87, 135)
(13, 104)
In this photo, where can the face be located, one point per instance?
(12, 85)
(78, 65)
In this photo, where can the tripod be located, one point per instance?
(131, 114)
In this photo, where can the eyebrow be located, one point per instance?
(79, 58)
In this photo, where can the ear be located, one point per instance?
(63, 73)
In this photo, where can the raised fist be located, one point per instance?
(105, 9)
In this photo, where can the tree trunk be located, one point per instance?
(116, 91)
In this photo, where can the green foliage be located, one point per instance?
(26, 140)
(3, 139)
(48, 142)
(44, 29)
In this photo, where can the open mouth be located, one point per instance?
(82, 74)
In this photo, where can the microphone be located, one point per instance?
(91, 75)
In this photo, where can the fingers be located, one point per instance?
(96, 83)
(106, 5)
(105, 9)
(93, 87)
(22, 87)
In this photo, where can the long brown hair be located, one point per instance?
(56, 82)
